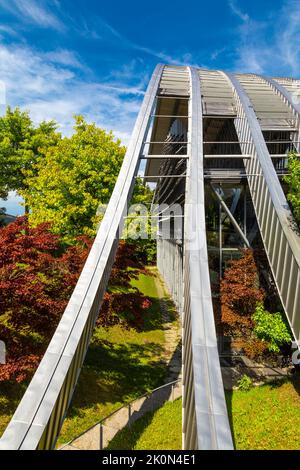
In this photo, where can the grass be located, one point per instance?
(10, 395)
(121, 364)
(160, 430)
(266, 417)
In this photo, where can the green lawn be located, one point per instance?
(160, 430)
(121, 365)
(266, 417)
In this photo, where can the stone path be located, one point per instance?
(101, 434)
(172, 355)
(259, 373)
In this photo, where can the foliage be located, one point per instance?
(122, 303)
(245, 383)
(240, 293)
(156, 430)
(37, 278)
(36, 281)
(73, 178)
(293, 181)
(271, 327)
(21, 145)
(141, 201)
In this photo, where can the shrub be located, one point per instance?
(245, 383)
(271, 327)
(36, 281)
(240, 293)
(293, 181)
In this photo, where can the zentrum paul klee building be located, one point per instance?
(215, 145)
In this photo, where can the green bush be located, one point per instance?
(293, 181)
(271, 327)
(245, 383)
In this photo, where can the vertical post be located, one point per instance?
(129, 414)
(101, 437)
(245, 210)
(220, 242)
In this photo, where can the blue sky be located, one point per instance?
(60, 57)
(65, 57)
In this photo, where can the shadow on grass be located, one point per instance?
(114, 372)
(127, 437)
(10, 395)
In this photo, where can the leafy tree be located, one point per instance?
(36, 281)
(271, 327)
(293, 181)
(21, 145)
(74, 177)
(145, 247)
(123, 304)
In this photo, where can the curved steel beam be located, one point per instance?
(274, 217)
(39, 416)
(206, 424)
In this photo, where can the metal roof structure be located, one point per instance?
(199, 131)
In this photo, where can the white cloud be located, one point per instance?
(63, 57)
(33, 11)
(270, 46)
(48, 86)
(237, 11)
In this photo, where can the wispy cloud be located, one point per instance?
(237, 11)
(50, 88)
(269, 46)
(104, 31)
(33, 11)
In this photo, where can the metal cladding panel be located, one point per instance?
(217, 95)
(270, 110)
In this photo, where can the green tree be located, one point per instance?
(73, 178)
(21, 145)
(293, 181)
